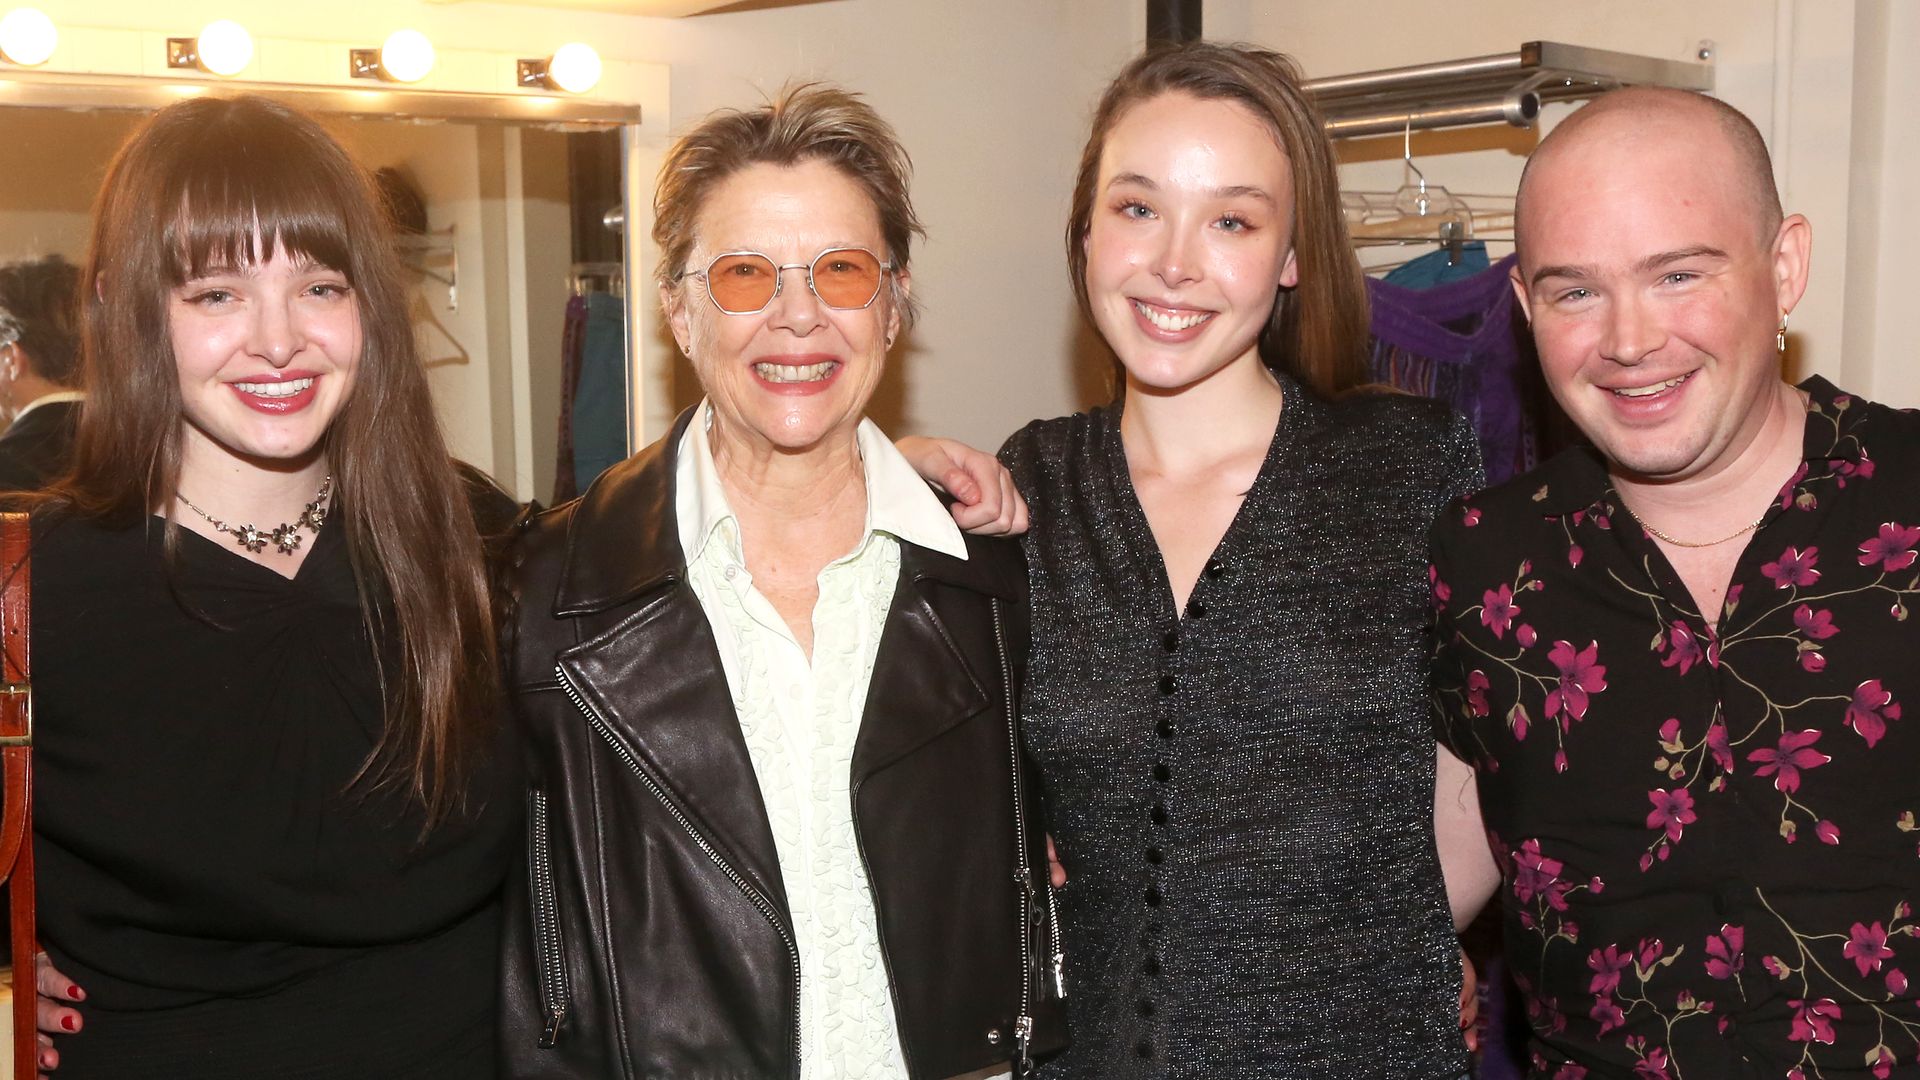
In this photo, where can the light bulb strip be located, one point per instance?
(225, 48)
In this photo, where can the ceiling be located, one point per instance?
(659, 8)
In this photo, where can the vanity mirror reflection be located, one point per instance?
(509, 220)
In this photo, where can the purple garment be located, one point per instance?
(1463, 343)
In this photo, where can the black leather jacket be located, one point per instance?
(650, 936)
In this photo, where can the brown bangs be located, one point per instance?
(238, 205)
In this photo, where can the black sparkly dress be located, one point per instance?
(231, 908)
(1243, 794)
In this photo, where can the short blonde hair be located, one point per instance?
(807, 122)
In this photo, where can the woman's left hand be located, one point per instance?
(1469, 1002)
(987, 503)
(53, 1019)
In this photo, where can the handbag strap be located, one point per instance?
(16, 773)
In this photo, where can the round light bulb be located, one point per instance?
(27, 36)
(574, 68)
(224, 47)
(407, 56)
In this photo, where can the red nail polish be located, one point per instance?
(70, 1022)
(76, 993)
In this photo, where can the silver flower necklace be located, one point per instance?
(286, 538)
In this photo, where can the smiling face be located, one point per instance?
(266, 354)
(1190, 238)
(1655, 288)
(796, 374)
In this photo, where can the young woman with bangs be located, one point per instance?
(275, 799)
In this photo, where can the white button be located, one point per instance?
(796, 691)
(732, 572)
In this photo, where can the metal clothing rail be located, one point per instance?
(1507, 87)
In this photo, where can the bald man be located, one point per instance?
(1675, 661)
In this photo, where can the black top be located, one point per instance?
(38, 446)
(1706, 824)
(231, 909)
(1243, 796)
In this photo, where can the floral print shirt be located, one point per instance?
(1706, 826)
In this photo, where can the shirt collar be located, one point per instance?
(1576, 479)
(899, 503)
(49, 399)
(1836, 423)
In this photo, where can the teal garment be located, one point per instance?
(600, 394)
(1440, 267)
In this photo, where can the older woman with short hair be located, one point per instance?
(781, 823)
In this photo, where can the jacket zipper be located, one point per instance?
(753, 895)
(552, 974)
(1023, 1020)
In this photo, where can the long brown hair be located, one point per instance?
(219, 182)
(1318, 330)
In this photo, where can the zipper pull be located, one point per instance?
(1022, 1035)
(1057, 974)
(550, 1034)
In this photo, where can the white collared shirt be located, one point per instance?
(801, 719)
(48, 399)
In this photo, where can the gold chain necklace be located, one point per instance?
(1741, 531)
(285, 537)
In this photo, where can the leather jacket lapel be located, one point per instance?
(654, 679)
(921, 684)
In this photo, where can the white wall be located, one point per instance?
(1825, 80)
(992, 97)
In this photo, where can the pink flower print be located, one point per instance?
(1722, 750)
(1813, 661)
(1686, 648)
(1793, 567)
(1672, 811)
(1649, 953)
(1477, 692)
(1574, 554)
(1526, 636)
(1670, 735)
(1794, 754)
(1724, 958)
(1893, 549)
(1536, 875)
(1608, 1014)
(1828, 832)
(1570, 1071)
(1813, 1020)
(1882, 1060)
(1896, 982)
(1786, 493)
(1579, 677)
(1868, 948)
(1775, 967)
(1518, 720)
(1497, 610)
(1870, 710)
(1817, 625)
(1652, 1066)
(1471, 517)
(1607, 964)
(1844, 469)
(1442, 592)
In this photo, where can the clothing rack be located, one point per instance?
(434, 254)
(597, 277)
(1502, 88)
